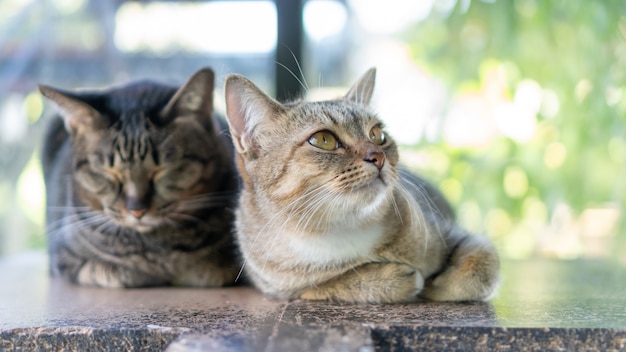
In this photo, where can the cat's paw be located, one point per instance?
(215, 277)
(97, 274)
(370, 283)
(315, 294)
(400, 283)
(471, 275)
(206, 276)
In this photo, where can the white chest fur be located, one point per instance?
(336, 246)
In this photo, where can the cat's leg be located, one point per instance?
(103, 274)
(94, 273)
(206, 275)
(470, 274)
(76, 268)
(370, 283)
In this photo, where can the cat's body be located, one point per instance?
(140, 186)
(327, 213)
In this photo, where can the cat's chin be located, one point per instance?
(144, 228)
(139, 225)
(141, 228)
(371, 191)
(367, 200)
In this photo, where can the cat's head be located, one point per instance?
(145, 154)
(327, 163)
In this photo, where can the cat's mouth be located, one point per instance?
(144, 228)
(374, 185)
(146, 223)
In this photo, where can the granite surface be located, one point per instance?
(543, 305)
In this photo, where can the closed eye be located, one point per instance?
(195, 158)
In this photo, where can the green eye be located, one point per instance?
(377, 136)
(324, 140)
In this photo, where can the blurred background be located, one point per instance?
(515, 109)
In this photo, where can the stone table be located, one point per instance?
(542, 305)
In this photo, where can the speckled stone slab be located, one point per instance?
(542, 306)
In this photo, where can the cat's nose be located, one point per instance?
(138, 213)
(376, 158)
(136, 207)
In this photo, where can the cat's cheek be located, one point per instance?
(182, 176)
(95, 183)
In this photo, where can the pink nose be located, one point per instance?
(377, 158)
(138, 213)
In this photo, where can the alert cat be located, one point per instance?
(140, 186)
(327, 213)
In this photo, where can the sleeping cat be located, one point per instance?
(140, 186)
(326, 212)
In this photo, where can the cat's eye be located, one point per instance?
(377, 136)
(324, 140)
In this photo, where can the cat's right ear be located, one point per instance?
(361, 92)
(194, 98)
(247, 107)
(77, 115)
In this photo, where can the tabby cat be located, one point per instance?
(326, 212)
(140, 186)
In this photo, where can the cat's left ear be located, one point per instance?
(361, 92)
(194, 98)
(247, 107)
(77, 114)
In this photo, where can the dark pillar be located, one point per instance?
(289, 49)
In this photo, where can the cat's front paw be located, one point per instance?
(370, 283)
(100, 275)
(471, 275)
(315, 294)
(401, 283)
(206, 276)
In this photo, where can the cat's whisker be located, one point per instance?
(51, 226)
(306, 84)
(226, 195)
(106, 226)
(172, 223)
(189, 206)
(294, 208)
(66, 208)
(430, 203)
(310, 206)
(335, 197)
(187, 217)
(243, 265)
(73, 222)
(207, 200)
(76, 218)
(306, 88)
(396, 209)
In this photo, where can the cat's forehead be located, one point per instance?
(340, 113)
(141, 96)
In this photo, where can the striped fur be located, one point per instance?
(345, 224)
(140, 186)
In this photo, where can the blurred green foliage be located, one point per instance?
(576, 52)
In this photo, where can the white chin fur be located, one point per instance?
(145, 224)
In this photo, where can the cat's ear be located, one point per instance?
(361, 92)
(77, 114)
(194, 98)
(247, 106)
